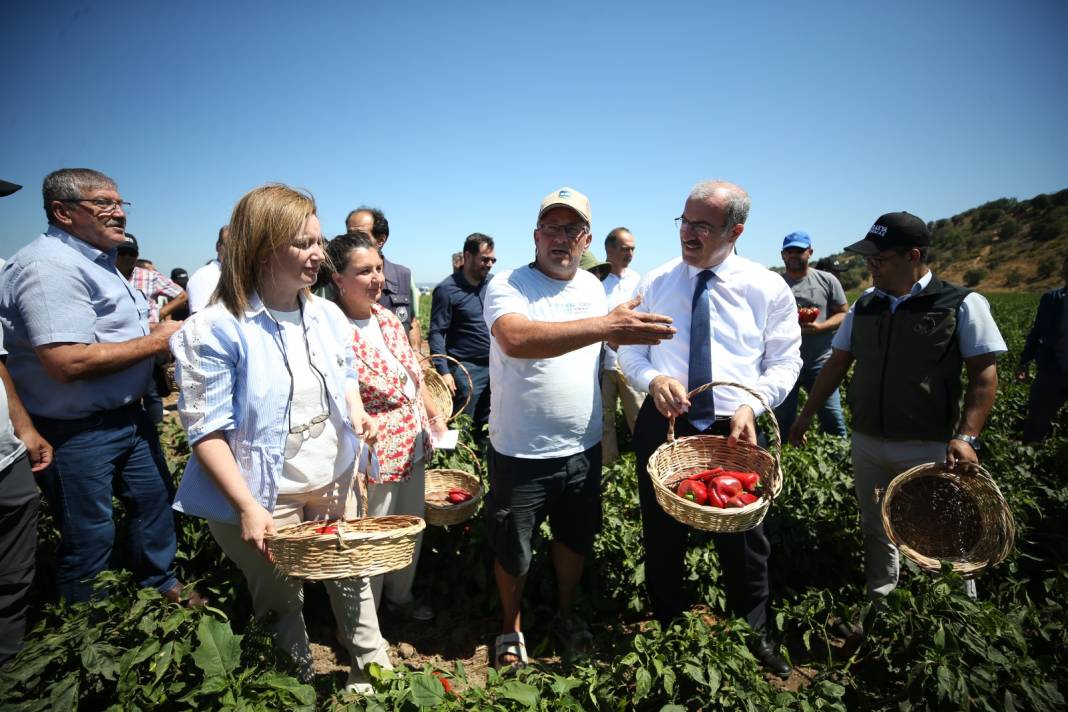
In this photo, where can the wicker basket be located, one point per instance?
(678, 458)
(361, 547)
(935, 515)
(443, 514)
(439, 392)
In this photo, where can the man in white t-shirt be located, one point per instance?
(619, 287)
(202, 284)
(547, 321)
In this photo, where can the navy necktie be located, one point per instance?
(702, 411)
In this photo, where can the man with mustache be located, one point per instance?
(737, 322)
(80, 354)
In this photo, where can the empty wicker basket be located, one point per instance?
(958, 516)
(678, 458)
(439, 392)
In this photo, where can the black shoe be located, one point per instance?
(765, 652)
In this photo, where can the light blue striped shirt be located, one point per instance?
(60, 289)
(232, 378)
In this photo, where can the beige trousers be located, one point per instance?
(614, 386)
(875, 462)
(406, 497)
(280, 599)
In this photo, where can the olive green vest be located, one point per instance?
(907, 379)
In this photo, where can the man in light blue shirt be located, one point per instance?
(80, 354)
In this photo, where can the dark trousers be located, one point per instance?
(18, 544)
(1048, 393)
(479, 406)
(743, 557)
(113, 452)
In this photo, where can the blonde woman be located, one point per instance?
(392, 391)
(269, 398)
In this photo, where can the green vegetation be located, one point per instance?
(929, 648)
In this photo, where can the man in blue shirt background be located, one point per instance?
(458, 329)
(80, 354)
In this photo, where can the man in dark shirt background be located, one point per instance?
(458, 329)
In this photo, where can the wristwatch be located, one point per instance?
(972, 440)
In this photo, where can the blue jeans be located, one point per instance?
(113, 452)
(479, 406)
(830, 415)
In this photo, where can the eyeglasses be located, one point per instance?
(573, 231)
(699, 228)
(488, 260)
(881, 259)
(298, 434)
(104, 206)
(313, 428)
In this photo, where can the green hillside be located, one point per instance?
(1004, 245)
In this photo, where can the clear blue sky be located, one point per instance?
(456, 117)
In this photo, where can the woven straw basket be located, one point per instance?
(440, 514)
(363, 546)
(439, 392)
(366, 546)
(678, 458)
(960, 517)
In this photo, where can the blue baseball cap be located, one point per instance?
(797, 239)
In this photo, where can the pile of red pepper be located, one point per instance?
(720, 488)
(807, 315)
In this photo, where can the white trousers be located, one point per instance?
(406, 497)
(281, 600)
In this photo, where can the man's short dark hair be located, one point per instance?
(475, 241)
(379, 227)
(610, 240)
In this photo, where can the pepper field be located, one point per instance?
(930, 647)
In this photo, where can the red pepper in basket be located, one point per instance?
(749, 480)
(693, 491)
(706, 475)
(727, 485)
(327, 529)
(714, 500)
(747, 498)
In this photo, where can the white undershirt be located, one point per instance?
(317, 463)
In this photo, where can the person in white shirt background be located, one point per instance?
(201, 285)
(736, 321)
(619, 287)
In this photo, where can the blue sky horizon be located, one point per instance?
(459, 117)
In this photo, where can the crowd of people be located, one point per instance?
(297, 361)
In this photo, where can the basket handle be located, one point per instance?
(776, 437)
(479, 469)
(428, 362)
(360, 479)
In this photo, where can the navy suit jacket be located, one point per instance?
(1042, 341)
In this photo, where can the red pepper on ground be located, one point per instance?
(693, 491)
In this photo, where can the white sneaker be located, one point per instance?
(358, 683)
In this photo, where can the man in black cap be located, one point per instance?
(909, 335)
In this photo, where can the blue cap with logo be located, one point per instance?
(797, 239)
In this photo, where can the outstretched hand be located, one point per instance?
(626, 326)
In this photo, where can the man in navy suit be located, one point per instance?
(1047, 346)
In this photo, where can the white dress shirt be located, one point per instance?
(202, 285)
(756, 337)
(617, 289)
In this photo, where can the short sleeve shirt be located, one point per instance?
(544, 407)
(821, 290)
(977, 333)
(60, 289)
(10, 446)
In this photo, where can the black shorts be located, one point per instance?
(524, 491)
